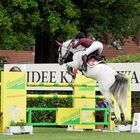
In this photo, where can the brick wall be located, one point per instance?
(18, 56)
(130, 47)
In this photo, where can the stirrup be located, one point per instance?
(84, 69)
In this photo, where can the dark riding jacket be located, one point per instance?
(86, 42)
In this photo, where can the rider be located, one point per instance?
(91, 46)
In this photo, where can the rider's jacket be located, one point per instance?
(86, 42)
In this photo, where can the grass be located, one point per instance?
(45, 133)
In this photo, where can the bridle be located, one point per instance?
(63, 58)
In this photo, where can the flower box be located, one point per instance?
(123, 127)
(19, 129)
(100, 127)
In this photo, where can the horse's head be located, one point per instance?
(63, 51)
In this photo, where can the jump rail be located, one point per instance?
(63, 96)
(34, 84)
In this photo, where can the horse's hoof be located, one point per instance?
(113, 117)
(115, 121)
(73, 76)
(125, 122)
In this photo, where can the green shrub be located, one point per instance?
(124, 59)
(47, 116)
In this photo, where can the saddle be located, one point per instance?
(95, 58)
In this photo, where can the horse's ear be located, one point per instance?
(59, 43)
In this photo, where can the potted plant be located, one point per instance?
(122, 127)
(19, 127)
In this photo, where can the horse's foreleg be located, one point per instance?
(70, 66)
(70, 71)
(74, 64)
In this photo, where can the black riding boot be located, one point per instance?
(84, 58)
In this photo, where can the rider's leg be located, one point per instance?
(96, 45)
(84, 58)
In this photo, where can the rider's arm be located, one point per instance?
(77, 44)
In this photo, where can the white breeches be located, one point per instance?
(96, 45)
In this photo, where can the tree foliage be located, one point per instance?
(40, 22)
(17, 19)
(102, 17)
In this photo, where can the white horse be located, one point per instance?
(109, 80)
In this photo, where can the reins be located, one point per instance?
(62, 59)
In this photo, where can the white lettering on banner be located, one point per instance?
(54, 73)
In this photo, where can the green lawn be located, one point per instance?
(45, 133)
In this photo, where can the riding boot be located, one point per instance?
(84, 58)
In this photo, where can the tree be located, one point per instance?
(59, 22)
(45, 20)
(23, 22)
(102, 17)
(15, 23)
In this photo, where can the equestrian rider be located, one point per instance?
(91, 45)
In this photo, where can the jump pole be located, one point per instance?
(63, 96)
(34, 84)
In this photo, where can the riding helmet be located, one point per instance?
(80, 35)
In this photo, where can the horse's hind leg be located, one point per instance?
(122, 116)
(107, 96)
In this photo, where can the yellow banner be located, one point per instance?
(13, 98)
(65, 116)
(86, 116)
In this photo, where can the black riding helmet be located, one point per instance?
(80, 35)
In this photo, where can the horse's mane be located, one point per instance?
(66, 43)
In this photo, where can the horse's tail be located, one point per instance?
(120, 89)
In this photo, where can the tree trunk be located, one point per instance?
(46, 50)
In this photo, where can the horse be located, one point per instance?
(109, 80)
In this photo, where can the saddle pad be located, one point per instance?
(92, 62)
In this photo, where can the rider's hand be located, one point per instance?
(74, 42)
